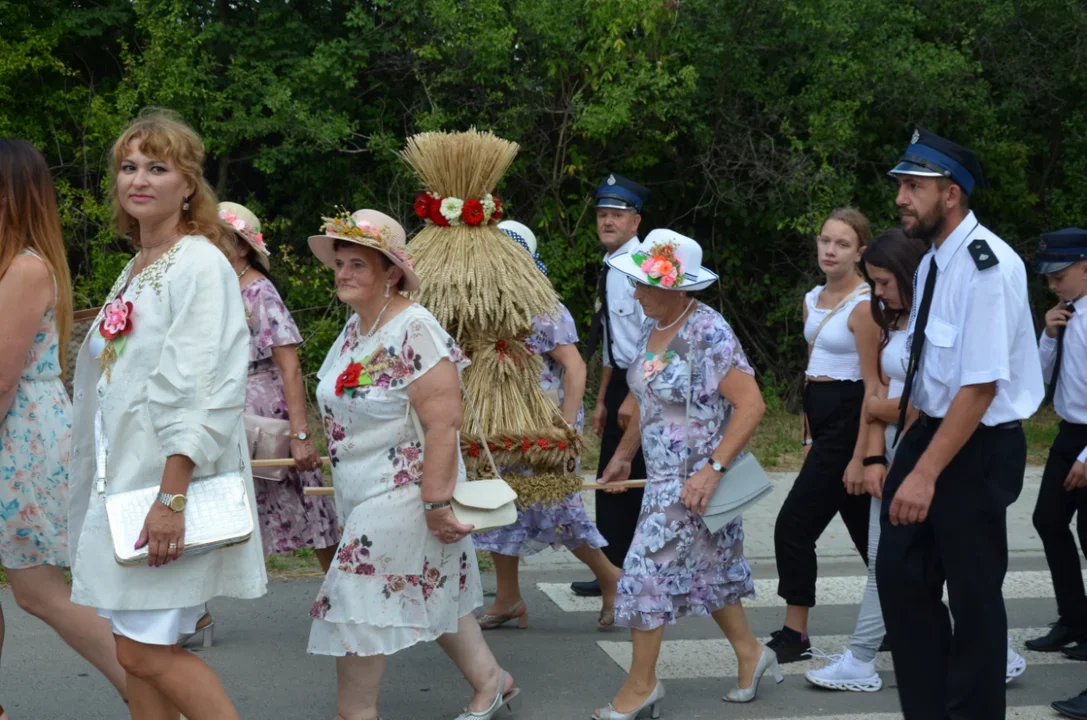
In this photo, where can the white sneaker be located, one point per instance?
(1017, 664)
(845, 673)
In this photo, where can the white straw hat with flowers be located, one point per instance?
(366, 228)
(246, 226)
(666, 260)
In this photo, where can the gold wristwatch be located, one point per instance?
(300, 435)
(174, 502)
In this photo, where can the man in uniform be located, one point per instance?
(618, 321)
(974, 375)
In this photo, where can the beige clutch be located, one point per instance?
(268, 439)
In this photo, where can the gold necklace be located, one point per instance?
(243, 271)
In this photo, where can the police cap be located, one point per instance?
(930, 155)
(1060, 249)
(618, 192)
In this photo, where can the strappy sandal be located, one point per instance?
(606, 619)
(206, 626)
(490, 622)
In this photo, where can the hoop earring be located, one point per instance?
(388, 287)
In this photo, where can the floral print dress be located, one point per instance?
(288, 519)
(35, 439)
(675, 566)
(392, 583)
(565, 523)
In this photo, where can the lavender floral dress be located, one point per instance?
(675, 566)
(35, 438)
(565, 523)
(288, 519)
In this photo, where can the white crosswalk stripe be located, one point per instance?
(1028, 712)
(838, 590)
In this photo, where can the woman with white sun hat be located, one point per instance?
(698, 405)
(563, 524)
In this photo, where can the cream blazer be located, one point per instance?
(176, 388)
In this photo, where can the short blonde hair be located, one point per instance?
(164, 136)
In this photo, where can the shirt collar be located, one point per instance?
(1080, 305)
(955, 240)
(628, 247)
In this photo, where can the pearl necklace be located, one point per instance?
(681, 315)
(374, 326)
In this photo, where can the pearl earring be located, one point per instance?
(388, 287)
(185, 205)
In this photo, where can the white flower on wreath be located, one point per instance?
(488, 207)
(451, 209)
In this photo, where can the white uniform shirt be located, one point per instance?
(625, 316)
(979, 329)
(1070, 400)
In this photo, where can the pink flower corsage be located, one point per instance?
(116, 319)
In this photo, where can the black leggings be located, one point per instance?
(834, 415)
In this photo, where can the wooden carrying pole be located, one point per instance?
(331, 491)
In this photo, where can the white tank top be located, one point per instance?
(893, 361)
(835, 352)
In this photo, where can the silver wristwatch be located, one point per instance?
(428, 506)
(174, 502)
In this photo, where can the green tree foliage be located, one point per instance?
(749, 120)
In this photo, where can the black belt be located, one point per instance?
(927, 421)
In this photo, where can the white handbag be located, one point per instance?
(484, 504)
(743, 485)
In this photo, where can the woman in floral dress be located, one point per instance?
(35, 414)
(405, 571)
(563, 524)
(699, 405)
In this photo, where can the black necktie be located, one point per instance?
(1052, 390)
(602, 319)
(917, 347)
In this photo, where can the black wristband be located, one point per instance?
(875, 460)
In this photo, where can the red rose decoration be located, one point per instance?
(435, 213)
(422, 205)
(497, 215)
(472, 212)
(349, 378)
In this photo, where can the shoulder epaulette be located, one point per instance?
(984, 257)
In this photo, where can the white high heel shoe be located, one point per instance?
(501, 699)
(767, 661)
(652, 703)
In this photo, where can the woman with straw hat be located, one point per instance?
(289, 520)
(699, 406)
(406, 570)
(561, 524)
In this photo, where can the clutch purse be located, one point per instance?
(484, 504)
(268, 439)
(743, 484)
(217, 511)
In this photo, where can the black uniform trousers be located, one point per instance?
(963, 542)
(818, 493)
(617, 513)
(1052, 516)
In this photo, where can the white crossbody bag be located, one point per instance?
(743, 485)
(484, 504)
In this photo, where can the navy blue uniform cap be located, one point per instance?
(1060, 249)
(930, 155)
(618, 192)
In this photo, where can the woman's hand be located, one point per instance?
(305, 454)
(617, 470)
(164, 535)
(854, 477)
(699, 488)
(443, 524)
(874, 477)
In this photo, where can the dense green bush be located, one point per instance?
(749, 120)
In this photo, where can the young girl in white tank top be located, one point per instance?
(843, 342)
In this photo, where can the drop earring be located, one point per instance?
(185, 205)
(388, 287)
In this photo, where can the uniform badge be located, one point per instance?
(916, 137)
(611, 179)
(983, 255)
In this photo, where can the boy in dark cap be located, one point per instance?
(1062, 258)
(618, 321)
(974, 375)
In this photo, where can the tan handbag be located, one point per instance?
(268, 439)
(484, 504)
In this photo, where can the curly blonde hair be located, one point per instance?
(163, 135)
